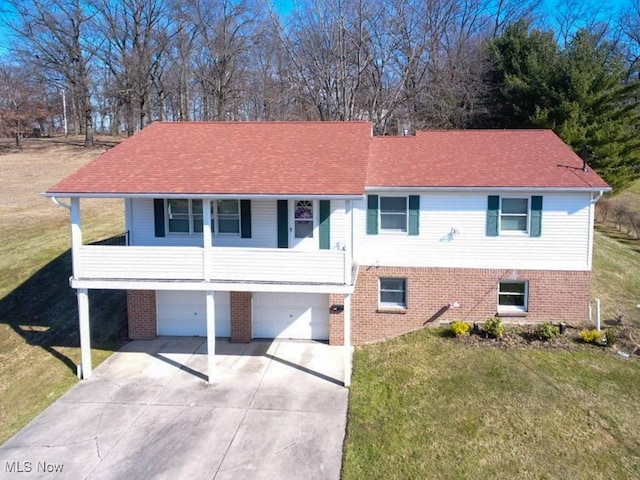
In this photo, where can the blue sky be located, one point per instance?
(609, 10)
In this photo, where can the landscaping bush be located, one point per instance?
(610, 336)
(591, 336)
(547, 331)
(494, 327)
(460, 329)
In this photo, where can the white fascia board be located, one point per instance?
(488, 189)
(252, 196)
(209, 286)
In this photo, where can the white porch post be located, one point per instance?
(347, 339)
(348, 236)
(76, 234)
(85, 332)
(211, 335)
(207, 238)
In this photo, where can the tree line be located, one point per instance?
(401, 64)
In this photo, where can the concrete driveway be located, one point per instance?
(277, 410)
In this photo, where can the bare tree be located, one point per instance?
(55, 35)
(329, 49)
(224, 32)
(135, 39)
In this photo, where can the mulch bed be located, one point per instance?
(526, 336)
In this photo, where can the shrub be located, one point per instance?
(610, 336)
(591, 336)
(494, 327)
(460, 329)
(547, 331)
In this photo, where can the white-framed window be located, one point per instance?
(226, 217)
(393, 293)
(512, 296)
(393, 214)
(184, 215)
(514, 215)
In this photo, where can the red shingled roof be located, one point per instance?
(478, 158)
(310, 158)
(323, 158)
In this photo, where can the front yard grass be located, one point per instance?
(424, 406)
(39, 340)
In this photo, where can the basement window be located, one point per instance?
(512, 296)
(393, 293)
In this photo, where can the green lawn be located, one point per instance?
(39, 340)
(424, 406)
(616, 276)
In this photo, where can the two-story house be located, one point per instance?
(320, 230)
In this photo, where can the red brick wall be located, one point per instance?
(336, 320)
(141, 313)
(553, 296)
(241, 321)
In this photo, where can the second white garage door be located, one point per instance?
(291, 315)
(184, 313)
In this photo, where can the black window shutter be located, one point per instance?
(536, 216)
(325, 224)
(493, 215)
(158, 213)
(245, 218)
(283, 224)
(372, 214)
(414, 214)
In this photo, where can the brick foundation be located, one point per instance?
(336, 320)
(241, 321)
(141, 314)
(554, 296)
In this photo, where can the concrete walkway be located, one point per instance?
(277, 410)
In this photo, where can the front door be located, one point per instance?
(303, 230)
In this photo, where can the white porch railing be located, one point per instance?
(224, 264)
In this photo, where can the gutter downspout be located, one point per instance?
(60, 204)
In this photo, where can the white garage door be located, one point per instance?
(184, 314)
(291, 315)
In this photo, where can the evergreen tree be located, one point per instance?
(584, 92)
(600, 110)
(523, 78)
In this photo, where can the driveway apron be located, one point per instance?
(276, 410)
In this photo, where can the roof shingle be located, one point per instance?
(478, 158)
(270, 158)
(323, 158)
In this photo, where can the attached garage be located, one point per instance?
(291, 315)
(184, 313)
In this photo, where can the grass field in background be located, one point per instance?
(39, 340)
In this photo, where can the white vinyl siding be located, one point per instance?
(453, 234)
(263, 228)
